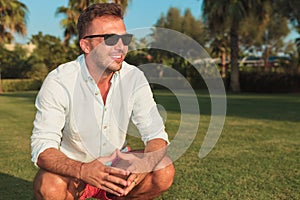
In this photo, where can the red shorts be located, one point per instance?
(93, 192)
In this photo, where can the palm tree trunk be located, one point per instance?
(234, 46)
(1, 90)
(297, 42)
(67, 39)
(266, 59)
(223, 63)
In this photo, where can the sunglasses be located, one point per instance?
(112, 39)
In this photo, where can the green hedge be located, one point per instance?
(177, 83)
(269, 82)
(249, 82)
(13, 85)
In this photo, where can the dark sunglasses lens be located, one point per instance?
(112, 40)
(126, 39)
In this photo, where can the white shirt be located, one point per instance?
(72, 117)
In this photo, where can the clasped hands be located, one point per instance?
(127, 171)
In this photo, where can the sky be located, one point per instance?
(139, 14)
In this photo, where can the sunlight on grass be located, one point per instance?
(256, 157)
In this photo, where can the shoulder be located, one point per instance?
(133, 77)
(126, 67)
(131, 71)
(66, 70)
(63, 78)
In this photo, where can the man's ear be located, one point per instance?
(84, 45)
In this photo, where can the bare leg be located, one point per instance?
(48, 186)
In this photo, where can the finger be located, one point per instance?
(116, 171)
(114, 187)
(130, 187)
(112, 191)
(132, 179)
(117, 180)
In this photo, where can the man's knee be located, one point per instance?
(49, 186)
(164, 176)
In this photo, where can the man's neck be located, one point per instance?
(103, 81)
(104, 87)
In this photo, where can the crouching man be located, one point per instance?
(83, 111)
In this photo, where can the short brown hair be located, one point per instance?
(94, 11)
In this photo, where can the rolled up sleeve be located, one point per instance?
(50, 117)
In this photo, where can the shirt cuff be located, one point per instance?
(160, 135)
(39, 146)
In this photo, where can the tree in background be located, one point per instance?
(138, 52)
(194, 28)
(72, 13)
(267, 37)
(12, 20)
(274, 36)
(297, 41)
(220, 48)
(226, 16)
(186, 24)
(50, 51)
(291, 9)
(13, 62)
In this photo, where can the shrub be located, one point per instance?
(269, 82)
(38, 71)
(13, 85)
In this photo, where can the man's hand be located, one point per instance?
(137, 164)
(134, 180)
(105, 177)
(140, 163)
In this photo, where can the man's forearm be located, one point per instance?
(55, 161)
(155, 151)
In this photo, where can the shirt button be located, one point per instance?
(104, 127)
(96, 93)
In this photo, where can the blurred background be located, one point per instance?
(255, 44)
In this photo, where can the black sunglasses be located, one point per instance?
(112, 39)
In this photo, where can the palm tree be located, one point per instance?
(291, 9)
(73, 11)
(220, 47)
(297, 42)
(225, 16)
(12, 20)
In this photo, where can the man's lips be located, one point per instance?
(117, 58)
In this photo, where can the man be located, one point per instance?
(83, 110)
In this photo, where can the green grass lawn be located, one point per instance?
(256, 157)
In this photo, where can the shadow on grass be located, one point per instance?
(15, 188)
